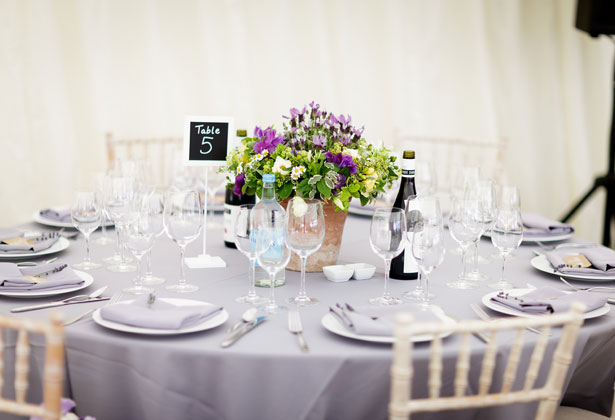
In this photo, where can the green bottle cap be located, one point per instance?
(408, 154)
(242, 133)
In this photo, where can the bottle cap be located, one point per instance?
(269, 178)
(242, 133)
(408, 154)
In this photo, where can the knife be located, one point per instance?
(92, 297)
(241, 332)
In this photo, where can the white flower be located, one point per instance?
(296, 172)
(239, 168)
(354, 153)
(300, 207)
(281, 166)
(258, 157)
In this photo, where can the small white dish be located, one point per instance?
(60, 245)
(362, 271)
(338, 273)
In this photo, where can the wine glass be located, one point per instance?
(462, 177)
(100, 180)
(428, 251)
(305, 231)
(139, 233)
(182, 221)
(484, 192)
(245, 239)
(272, 254)
(421, 210)
(153, 206)
(387, 239)
(86, 216)
(465, 225)
(118, 202)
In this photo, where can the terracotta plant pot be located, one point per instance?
(329, 251)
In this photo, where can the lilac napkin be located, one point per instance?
(57, 215)
(548, 300)
(601, 257)
(361, 321)
(162, 315)
(537, 225)
(12, 278)
(37, 245)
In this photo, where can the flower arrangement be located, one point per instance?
(316, 155)
(67, 406)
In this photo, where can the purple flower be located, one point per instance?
(319, 141)
(239, 181)
(269, 140)
(341, 181)
(342, 161)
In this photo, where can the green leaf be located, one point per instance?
(313, 180)
(364, 200)
(338, 203)
(323, 189)
(285, 191)
(354, 188)
(329, 183)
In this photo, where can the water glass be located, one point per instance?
(245, 241)
(100, 180)
(86, 216)
(465, 226)
(506, 235)
(387, 239)
(305, 231)
(139, 234)
(118, 198)
(182, 221)
(428, 251)
(153, 206)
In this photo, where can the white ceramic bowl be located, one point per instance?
(338, 273)
(362, 271)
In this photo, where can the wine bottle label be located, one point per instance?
(410, 265)
(407, 168)
(230, 215)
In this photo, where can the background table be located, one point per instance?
(264, 375)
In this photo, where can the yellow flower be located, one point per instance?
(281, 166)
(369, 185)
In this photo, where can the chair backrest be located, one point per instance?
(162, 153)
(402, 404)
(53, 372)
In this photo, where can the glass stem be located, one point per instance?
(502, 281)
(302, 294)
(272, 291)
(182, 276)
(139, 279)
(475, 258)
(425, 294)
(387, 267)
(464, 263)
(87, 248)
(118, 243)
(419, 284)
(122, 246)
(148, 265)
(251, 288)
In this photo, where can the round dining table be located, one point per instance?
(264, 375)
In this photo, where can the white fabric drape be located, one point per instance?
(72, 70)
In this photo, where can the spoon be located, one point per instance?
(247, 317)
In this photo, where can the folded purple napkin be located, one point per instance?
(57, 215)
(537, 225)
(37, 244)
(601, 257)
(378, 320)
(12, 278)
(162, 314)
(548, 300)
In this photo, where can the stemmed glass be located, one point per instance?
(119, 202)
(305, 231)
(271, 250)
(484, 192)
(100, 180)
(420, 211)
(462, 178)
(86, 216)
(183, 223)
(428, 252)
(507, 231)
(245, 241)
(465, 226)
(153, 206)
(387, 238)
(139, 234)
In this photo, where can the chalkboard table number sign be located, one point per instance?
(206, 143)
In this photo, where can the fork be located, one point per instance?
(114, 299)
(485, 317)
(294, 326)
(35, 263)
(587, 289)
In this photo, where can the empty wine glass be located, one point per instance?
(484, 192)
(462, 177)
(245, 241)
(118, 202)
(183, 222)
(272, 254)
(153, 206)
(465, 226)
(139, 234)
(421, 210)
(507, 230)
(387, 239)
(86, 216)
(428, 251)
(100, 179)
(305, 231)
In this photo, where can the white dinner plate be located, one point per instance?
(36, 216)
(218, 319)
(59, 245)
(540, 262)
(544, 238)
(332, 324)
(87, 280)
(518, 292)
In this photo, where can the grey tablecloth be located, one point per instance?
(264, 375)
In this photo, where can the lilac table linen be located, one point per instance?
(547, 300)
(537, 225)
(12, 278)
(162, 315)
(57, 215)
(361, 321)
(601, 258)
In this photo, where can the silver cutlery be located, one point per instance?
(92, 297)
(565, 245)
(589, 289)
(485, 317)
(295, 327)
(246, 328)
(248, 316)
(482, 337)
(35, 263)
(114, 299)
